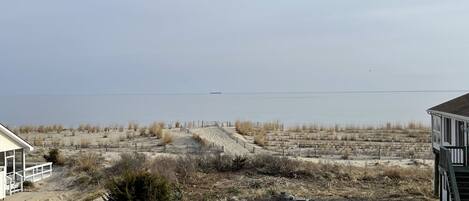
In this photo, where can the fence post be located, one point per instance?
(465, 156)
(379, 152)
(316, 151)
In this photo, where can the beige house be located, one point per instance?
(14, 169)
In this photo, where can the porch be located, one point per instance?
(458, 156)
(453, 168)
(15, 171)
(33, 173)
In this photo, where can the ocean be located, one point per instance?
(327, 108)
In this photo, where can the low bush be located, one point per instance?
(198, 139)
(89, 163)
(55, 156)
(276, 166)
(28, 184)
(156, 129)
(167, 138)
(138, 185)
(260, 139)
(239, 162)
(129, 162)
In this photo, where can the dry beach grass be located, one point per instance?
(192, 160)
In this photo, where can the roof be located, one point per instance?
(16, 138)
(458, 106)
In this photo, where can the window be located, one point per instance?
(448, 130)
(2, 158)
(436, 129)
(459, 133)
(436, 123)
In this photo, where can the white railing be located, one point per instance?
(9, 184)
(14, 183)
(38, 172)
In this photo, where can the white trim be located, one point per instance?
(455, 116)
(17, 139)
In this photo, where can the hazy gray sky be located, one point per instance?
(117, 46)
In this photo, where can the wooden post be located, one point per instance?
(379, 152)
(436, 176)
(465, 156)
(23, 162)
(14, 164)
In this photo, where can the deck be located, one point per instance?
(33, 173)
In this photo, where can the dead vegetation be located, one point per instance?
(259, 177)
(156, 129)
(257, 130)
(167, 138)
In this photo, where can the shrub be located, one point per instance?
(167, 139)
(133, 126)
(139, 185)
(143, 131)
(244, 127)
(55, 156)
(156, 129)
(198, 139)
(165, 167)
(84, 143)
(277, 166)
(221, 163)
(129, 162)
(397, 173)
(239, 162)
(89, 163)
(186, 167)
(260, 139)
(38, 141)
(28, 184)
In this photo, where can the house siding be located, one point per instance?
(7, 144)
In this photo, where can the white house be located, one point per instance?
(450, 128)
(14, 169)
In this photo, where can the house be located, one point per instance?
(450, 141)
(14, 169)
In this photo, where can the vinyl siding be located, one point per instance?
(7, 143)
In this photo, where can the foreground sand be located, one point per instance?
(110, 145)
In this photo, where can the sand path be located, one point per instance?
(55, 188)
(218, 137)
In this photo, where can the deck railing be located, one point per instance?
(38, 172)
(458, 155)
(446, 164)
(14, 183)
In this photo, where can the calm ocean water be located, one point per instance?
(71, 110)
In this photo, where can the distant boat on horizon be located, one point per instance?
(215, 93)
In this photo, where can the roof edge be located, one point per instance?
(429, 111)
(16, 138)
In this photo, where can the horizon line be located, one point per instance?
(220, 93)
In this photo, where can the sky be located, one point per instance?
(180, 46)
